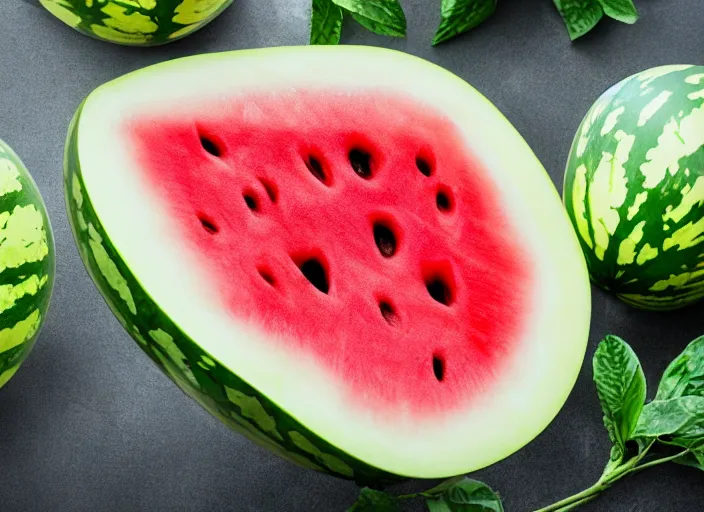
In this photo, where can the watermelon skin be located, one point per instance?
(634, 188)
(136, 22)
(26, 263)
(197, 373)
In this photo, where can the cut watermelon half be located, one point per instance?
(347, 254)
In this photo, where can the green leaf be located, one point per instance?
(580, 16)
(438, 505)
(374, 501)
(620, 10)
(459, 16)
(620, 384)
(681, 417)
(693, 459)
(326, 22)
(685, 375)
(444, 486)
(467, 496)
(384, 17)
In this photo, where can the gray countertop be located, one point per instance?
(90, 424)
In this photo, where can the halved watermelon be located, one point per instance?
(345, 253)
(26, 263)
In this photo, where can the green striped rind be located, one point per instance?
(634, 188)
(198, 373)
(136, 22)
(26, 263)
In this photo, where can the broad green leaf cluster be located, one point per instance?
(581, 16)
(386, 17)
(459, 494)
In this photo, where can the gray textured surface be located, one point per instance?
(88, 424)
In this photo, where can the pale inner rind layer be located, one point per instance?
(542, 370)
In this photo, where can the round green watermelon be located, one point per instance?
(347, 254)
(136, 22)
(26, 263)
(634, 188)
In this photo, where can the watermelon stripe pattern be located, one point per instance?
(634, 188)
(230, 399)
(136, 22)
(26, 263)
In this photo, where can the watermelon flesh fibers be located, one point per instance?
(346, 254)
(394, 315)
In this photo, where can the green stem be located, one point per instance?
(607, 481)
(660, 461)
(576, 499)
(413, 496)
(577, 504)
(593, 491)
(590, 493)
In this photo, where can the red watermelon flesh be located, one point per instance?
(357, 227)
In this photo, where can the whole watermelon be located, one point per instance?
(634, 188)
(26, 263)
(136, 22)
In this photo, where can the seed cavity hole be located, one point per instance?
(315, 271)
(385, 239)
(210, 145)
(315, 167)
(361, 163)
(388, 312)
(439, 367)
(424, 166)
(444, 200)
(251, 200)
(266, 274)
(439, 281)
(439, 290)
(208, 224)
